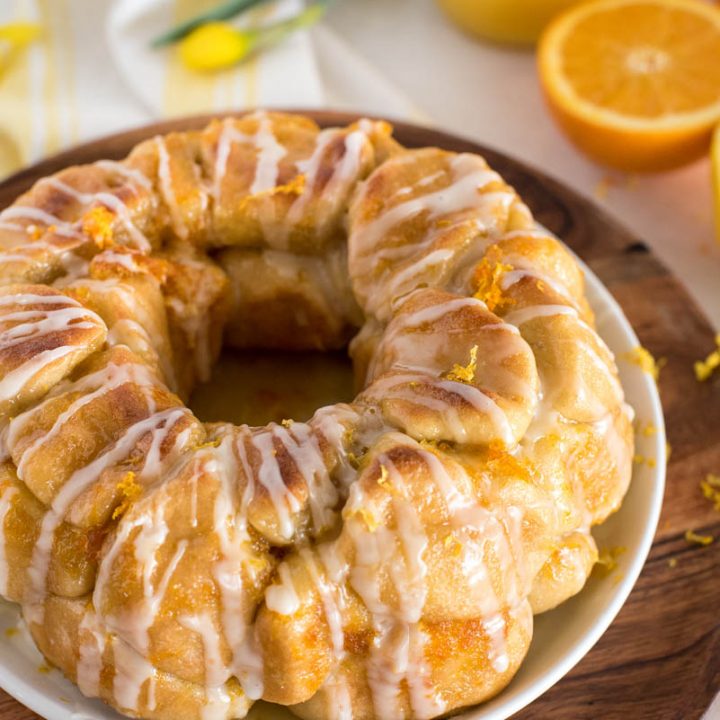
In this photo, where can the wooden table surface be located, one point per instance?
(660, 659)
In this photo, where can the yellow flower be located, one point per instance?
(214, 46)
(217, 45)
(14, 37)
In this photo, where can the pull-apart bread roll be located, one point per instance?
(382, 560)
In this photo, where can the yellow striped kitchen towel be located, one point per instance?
(92, 72)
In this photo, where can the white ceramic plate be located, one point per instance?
(561, 637)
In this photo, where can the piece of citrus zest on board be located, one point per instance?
(710, 488)
(694, 539)
(705, 368)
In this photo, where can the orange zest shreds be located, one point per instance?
(429, 445)
(130, 490)
(97, 224)
(502, 463)
(487, 277)
(668, 451)
(11, 632)
(369, 519)
(672, 562)
(81, 293)
(453, 544)
(44, 669)
(286, 423)
(695, 539)
(464, 373)
(384, 475)
(710, 488)
(641, 357)
(208, 444)
(353, 459)
(254, 562)
(295, 187)
(705, 368)
(607, 559)
(158, 267)
(35, 232)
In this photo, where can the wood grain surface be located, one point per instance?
(660, 659)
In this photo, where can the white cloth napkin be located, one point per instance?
(92, 72)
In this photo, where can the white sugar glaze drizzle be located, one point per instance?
(230, 525)
(216, 673)
(399, 386)
(111, 202)
(112, 375)
(13, 382)
(524, 315)
(132, 673)
(93, 640)
(469, 176)
(76, 484)
(406, 280)
(126, 260)
(133, 175)
(36, 323)
(34, 214)
(270, 152)
(282, 597)
(167, 189)
(400, 552)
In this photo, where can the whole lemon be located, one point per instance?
(518, 22)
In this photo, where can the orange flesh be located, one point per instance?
(644, 60)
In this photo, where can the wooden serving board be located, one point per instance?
(660, 659)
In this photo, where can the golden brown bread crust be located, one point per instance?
(382, 560)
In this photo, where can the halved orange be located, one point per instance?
(635, 83)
